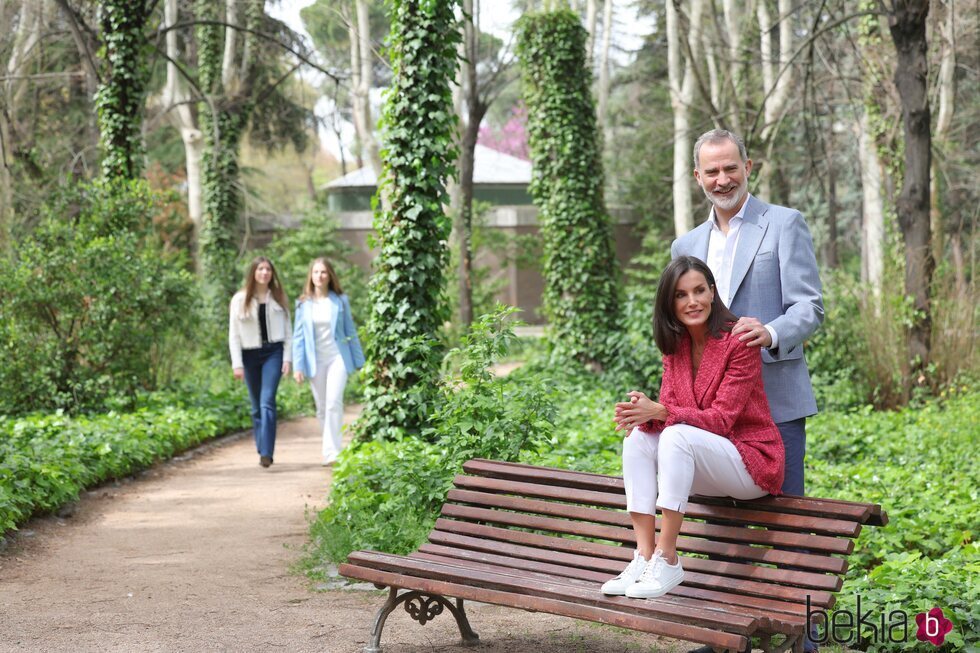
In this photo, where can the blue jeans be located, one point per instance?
(794, 441)
(263, 369)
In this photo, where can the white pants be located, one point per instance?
(679, 461)
(328, 395)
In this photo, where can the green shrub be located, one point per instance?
(386, 494)
(88, 299)
(46, 460)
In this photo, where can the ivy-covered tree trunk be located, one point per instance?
(120, 98)
(223, 117)
(579, 262)
(407, 288)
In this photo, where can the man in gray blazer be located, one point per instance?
(763, 261)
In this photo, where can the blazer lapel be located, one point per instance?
(753, 228)
(703, 232)
(712, 364)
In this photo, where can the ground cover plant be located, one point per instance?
(47, 459)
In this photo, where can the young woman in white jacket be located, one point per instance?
(259, 335)
(326, 350)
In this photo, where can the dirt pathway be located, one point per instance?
(195, 555)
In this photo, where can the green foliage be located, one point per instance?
(407, 288)
(87, 301)
(119, 100)
(580, 299)
(47, 459)
(386, 495)
(917, 464)
(317, 235)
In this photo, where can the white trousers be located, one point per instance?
(679, 461)
(328, 395)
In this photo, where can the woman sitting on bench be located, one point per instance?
(711, 433)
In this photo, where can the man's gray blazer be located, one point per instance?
(774, 279)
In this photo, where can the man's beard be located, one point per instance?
(728, 203)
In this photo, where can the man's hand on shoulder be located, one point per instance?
(752, 332)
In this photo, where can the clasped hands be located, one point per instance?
(640, 409)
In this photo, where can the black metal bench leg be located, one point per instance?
(422, 608)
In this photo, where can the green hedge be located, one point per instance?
(47, 460)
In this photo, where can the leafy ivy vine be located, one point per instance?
(580, 298)
(408, 285)
(120, 98)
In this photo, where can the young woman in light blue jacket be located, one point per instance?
(326, 350)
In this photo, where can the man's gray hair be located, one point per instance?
(716, 136)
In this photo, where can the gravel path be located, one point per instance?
(195, 555)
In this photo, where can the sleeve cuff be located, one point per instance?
(775, 339)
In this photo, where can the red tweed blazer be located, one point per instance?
(726, 397)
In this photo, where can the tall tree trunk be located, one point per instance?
(122, 94)
(176, 101)
(907, 23)
(830, 250)
(946, 93)
(681, 76)
(591, 15)
(362, 64)
(223, 118)
(603, 91)
(473, 111)
(872, 209)
(777, 79)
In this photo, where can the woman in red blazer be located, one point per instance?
(710, 433)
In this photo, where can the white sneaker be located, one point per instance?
(617, 586)
(657, 578)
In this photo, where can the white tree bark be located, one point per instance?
(946, 91)
(603, 91)
(363, 79)
(590, 25)
(777, 79)
(176, 101)
(681, 77)
(228, 72)
(873, 212)
(26, 39)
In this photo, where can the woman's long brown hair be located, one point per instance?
(333, 281)
(667, 329)
(275, 286)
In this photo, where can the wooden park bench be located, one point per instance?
(544, 540)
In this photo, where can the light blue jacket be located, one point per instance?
(774, 279)
(344, 333)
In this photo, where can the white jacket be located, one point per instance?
(244, 332)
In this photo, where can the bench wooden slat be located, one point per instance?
(769, 620)
(789, 539)
(567, 565)
(820, 563)
(621, 555)
(870, 514)
(718, 639)
(800, 523)
(626, 535)
(499, 564)
(543, 586)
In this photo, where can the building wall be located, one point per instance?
(523, 285)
